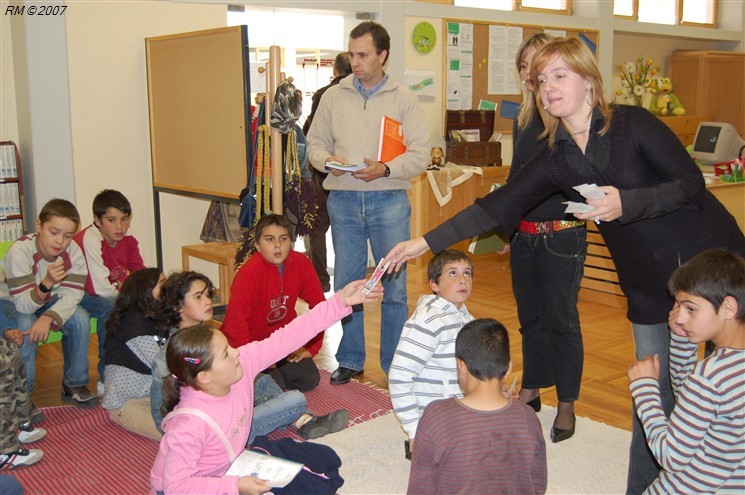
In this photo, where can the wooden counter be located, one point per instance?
(426, 212)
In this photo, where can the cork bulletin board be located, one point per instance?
(479, 73)
(198, 92)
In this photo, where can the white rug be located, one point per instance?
(594, 461)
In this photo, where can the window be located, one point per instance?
(672, 12)
(554, 6)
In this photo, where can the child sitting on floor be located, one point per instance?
(700, 447)
(187, 301)
(217, 380)
(263, 298)
(133, 340)
(423, 367)
(15, 403)
(484, 442)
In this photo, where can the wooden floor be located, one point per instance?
(608, 347)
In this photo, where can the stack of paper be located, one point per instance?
(589, 191)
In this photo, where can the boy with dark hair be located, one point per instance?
(423, 368)
(111, 254)
(700, 447)
(45, 275)
(263, 297)
(484, 442)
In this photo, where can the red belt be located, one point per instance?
(549, 226)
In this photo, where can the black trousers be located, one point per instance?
(546, 274)
(317, 240)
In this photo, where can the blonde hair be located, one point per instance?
(581, 61)
(528, 105)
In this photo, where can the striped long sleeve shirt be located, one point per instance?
(24, 267)
(701, 447)
(423, 368)
(460, 450)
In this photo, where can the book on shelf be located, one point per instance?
(8, 166)
(391, 141)
(277, 471)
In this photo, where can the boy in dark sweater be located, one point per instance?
(484, 441)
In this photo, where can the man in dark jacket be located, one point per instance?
(317, 240)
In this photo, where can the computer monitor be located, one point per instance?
(716, 142)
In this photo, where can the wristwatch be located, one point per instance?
(387, 172)
(43, 288)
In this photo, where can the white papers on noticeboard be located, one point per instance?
(503, 44)
(459, 66)
(420, 82)
(556, 33)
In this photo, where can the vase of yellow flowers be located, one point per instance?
(636, 79)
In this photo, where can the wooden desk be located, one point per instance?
(220, 253)
(426, 212)
(732, 196)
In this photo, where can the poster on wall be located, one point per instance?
(459, 66)
(504, 42)
(420, 82)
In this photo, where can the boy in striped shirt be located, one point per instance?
(423, 368)
(701, 447)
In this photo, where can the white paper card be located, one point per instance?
(277, 471)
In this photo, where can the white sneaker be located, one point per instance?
(20, 458)
(100, 389)
(29, 434)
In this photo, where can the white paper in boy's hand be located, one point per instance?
(590, 191)
(277, 471)
(377, 274)
(573, 207)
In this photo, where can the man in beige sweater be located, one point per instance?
(370, 203)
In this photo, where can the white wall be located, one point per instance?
(109, 112)
(8, 115)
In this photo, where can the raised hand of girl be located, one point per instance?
(352, 293)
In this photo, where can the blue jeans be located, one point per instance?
(273, 407)
(99, 307)
(648, 341)
(7, 319)
(158, 370)
(382, 217)
(75, 337)
(546, 274)
(10, 485)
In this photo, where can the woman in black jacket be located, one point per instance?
(655, 215)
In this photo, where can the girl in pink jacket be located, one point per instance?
(215, 383)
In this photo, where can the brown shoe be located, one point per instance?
(80, 396)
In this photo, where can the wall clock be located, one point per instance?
(424, 37)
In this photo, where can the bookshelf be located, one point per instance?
(11, 193)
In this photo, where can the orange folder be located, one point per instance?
(391, 143)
